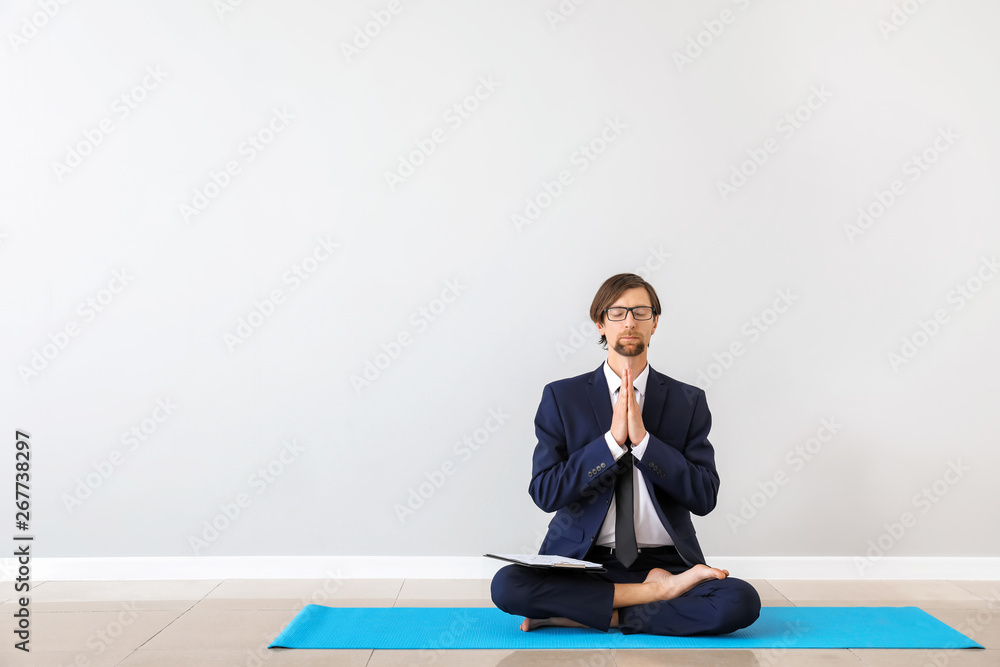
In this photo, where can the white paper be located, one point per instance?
(545, 559)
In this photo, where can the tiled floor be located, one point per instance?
(231, 622)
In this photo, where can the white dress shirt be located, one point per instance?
(649, 530)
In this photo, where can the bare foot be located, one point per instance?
(657, 573)
(529, 624)
(673, 585)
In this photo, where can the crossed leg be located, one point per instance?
(670, 600)
(659, 585)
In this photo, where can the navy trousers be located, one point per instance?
(713, 607)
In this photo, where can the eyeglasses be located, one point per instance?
(619, 313)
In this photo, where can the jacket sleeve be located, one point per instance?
(558, 477)
(689, 475)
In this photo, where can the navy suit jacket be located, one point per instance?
(573, 471)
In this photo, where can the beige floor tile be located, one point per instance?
(452, 589)
(100, 605)
(911, 658)
(876, 589)
(806, 657)
(307, 589)
(491, 658)
(737, 657)
(926, 605)
(37, 658)
(86, 591)
(688, 658)
(765, 590)
(278, 603)
(988, 590)
(443, 602)
(981, 625)
(222, 630)
(247, 658)
(96, 632)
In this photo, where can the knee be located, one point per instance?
(740, 606)
(503, 588)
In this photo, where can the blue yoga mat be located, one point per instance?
(316, 626)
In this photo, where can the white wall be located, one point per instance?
(651, 202)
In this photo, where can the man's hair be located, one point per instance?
(613, 288)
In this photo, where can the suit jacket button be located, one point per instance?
(590, 473)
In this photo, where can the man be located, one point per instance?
(623, 458)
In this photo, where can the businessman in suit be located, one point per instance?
(623, 459)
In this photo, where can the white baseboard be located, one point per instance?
(471, 567)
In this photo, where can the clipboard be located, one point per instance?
(550, 562)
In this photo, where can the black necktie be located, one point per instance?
(625, 547)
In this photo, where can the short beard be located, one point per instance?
(634, 351)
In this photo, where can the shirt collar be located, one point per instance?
(615, 382)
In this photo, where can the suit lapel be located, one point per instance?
(597, 390)
(656, 398)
